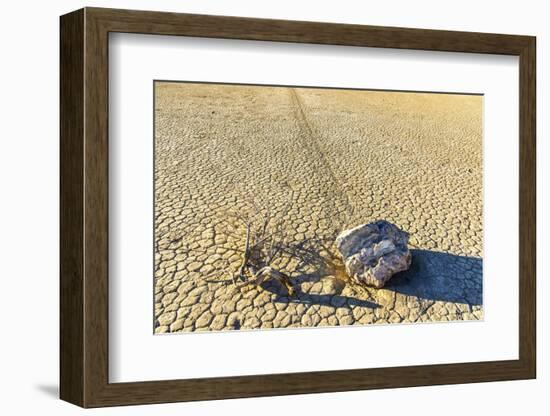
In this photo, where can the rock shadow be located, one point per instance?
(433, 275)
(441, 277)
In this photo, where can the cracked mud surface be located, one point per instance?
(323, 160)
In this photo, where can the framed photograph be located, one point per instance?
(255, 207)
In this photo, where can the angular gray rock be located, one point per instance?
(374, 252)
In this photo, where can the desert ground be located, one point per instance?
(320, 161)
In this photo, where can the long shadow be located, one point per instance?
(311, 267)
(312, 264)
(432, 276)
(441, 277)
(339, 301)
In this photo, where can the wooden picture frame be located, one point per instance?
(84, 207)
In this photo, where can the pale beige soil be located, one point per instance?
(341, 158)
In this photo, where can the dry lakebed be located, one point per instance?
(291, 168)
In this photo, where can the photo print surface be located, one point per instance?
(293, 207)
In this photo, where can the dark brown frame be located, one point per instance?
(84, 209)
